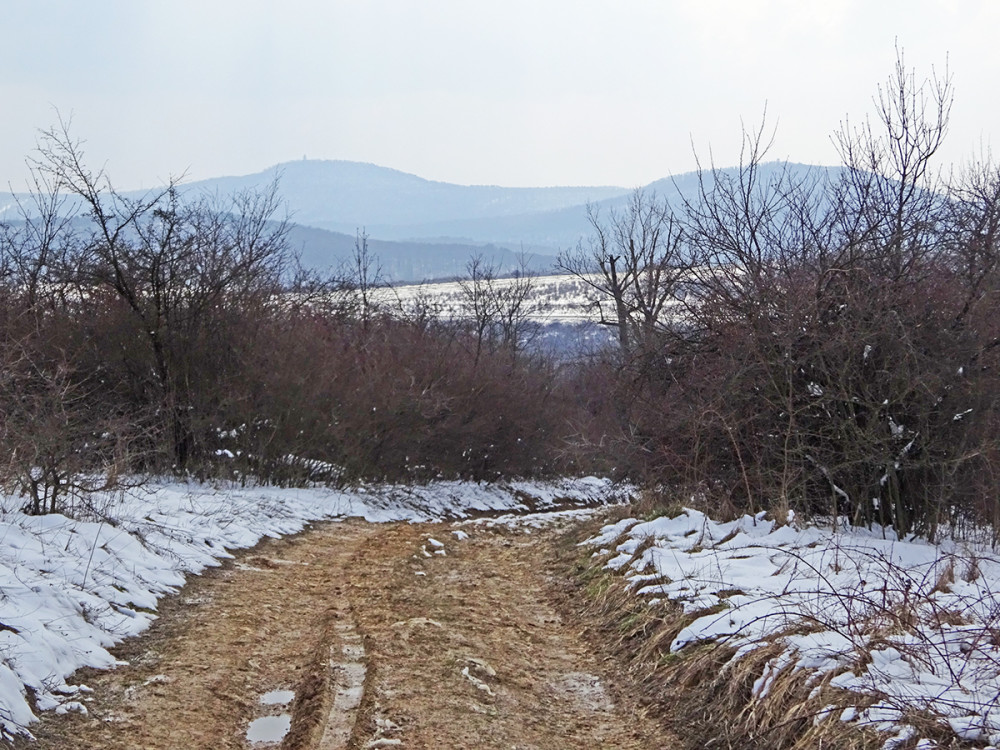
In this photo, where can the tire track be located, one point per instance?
(276, 619)
(468, 649)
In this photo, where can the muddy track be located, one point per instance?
(357, 636)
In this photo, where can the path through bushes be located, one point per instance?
(408, 635)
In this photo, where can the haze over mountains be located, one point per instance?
(422, 229)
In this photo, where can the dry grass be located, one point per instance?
(701, 692)
(653, 502)
(763, 699)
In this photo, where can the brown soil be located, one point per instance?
(467, 649)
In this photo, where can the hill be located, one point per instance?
(422, 229)
(408, 260)
(344, 195)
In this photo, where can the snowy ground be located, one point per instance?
(553, 299)
(71, 588)
(916, 624)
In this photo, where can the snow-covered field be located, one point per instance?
(70, 588)
(553, 299)
(915, 624)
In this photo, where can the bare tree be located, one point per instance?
(499, 310)
(61, 438)
(515, 308)
(177, 265)
(636, 262)
(364, 277)
(826, 311)
(890, 196)
(973, 232)
(37, 249)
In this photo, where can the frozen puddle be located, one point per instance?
(277, 697)
(344, 678)
(342, 673)
(268, 729)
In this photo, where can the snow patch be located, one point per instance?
(912, 622)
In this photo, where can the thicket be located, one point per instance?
(173, 333)
(825, 342)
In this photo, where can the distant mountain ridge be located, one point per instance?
(345, 195)
(422, 229)
(407, 260)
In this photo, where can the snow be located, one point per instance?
(525, 522)
(71, 588)
(556, 298)
(913, 623)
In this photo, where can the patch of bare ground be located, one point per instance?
(471, 649)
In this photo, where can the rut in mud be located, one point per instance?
(353, 635)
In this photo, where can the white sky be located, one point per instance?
(519, 92)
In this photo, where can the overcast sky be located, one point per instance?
(532, 92)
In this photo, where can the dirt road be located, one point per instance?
(353, 635)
